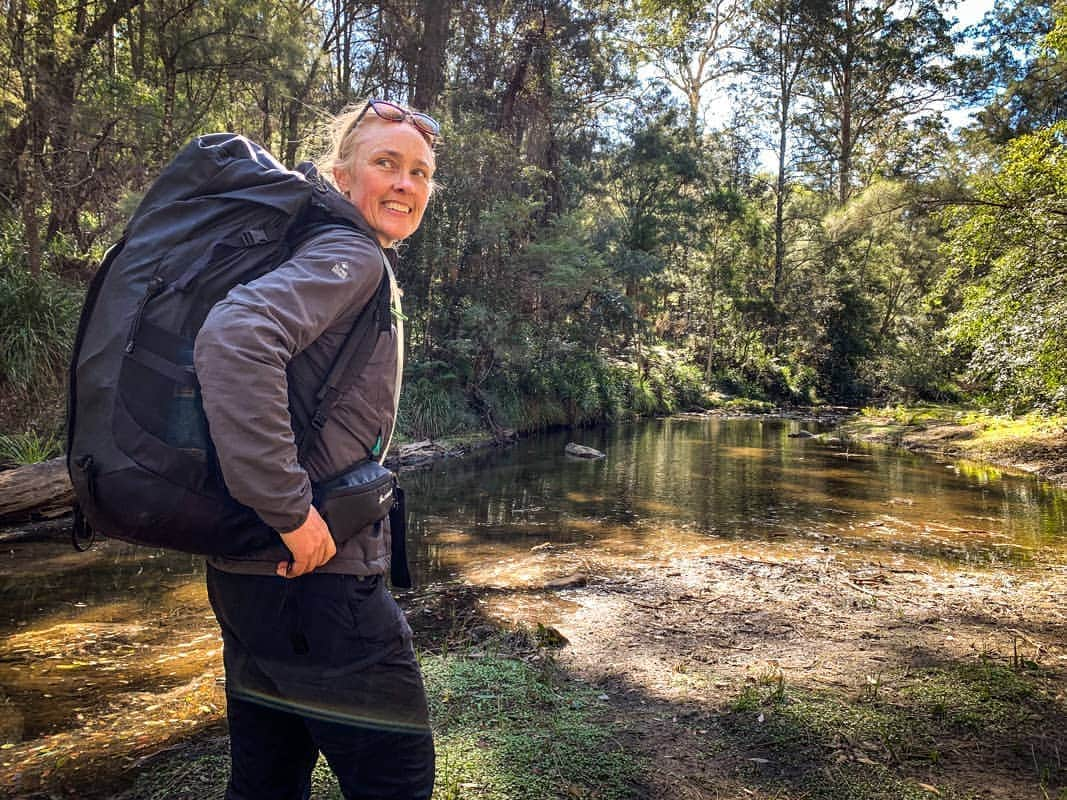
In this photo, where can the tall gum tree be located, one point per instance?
(779, 45)
(692, 46)
(875, 63)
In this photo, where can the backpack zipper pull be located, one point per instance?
(155, 286)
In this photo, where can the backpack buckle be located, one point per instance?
(254, 236)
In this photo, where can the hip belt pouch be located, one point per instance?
(355, 499)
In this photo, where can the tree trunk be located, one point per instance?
(779, 203)
(430, 67)
(845, 156)
(30, 224)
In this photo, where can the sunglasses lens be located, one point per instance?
(387, 111)
(426, 124)
(394, 113)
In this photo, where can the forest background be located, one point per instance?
(643, 204)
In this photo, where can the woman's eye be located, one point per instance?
(420, 173)
(384, 162)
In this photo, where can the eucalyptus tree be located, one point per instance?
(780, 42)
(691, 45)
(876, 64)
(1020, 82)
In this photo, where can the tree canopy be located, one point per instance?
(639, 202)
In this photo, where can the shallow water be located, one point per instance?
(90, 643)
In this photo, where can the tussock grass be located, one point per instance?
(38, 318)
(28, 448)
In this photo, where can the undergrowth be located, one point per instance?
(28, 448)
(38, 317)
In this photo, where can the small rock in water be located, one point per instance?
(581, 451)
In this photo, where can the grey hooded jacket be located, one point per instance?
(265, 349)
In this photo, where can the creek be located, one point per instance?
(111, 655)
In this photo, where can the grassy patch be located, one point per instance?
(876, 743)
(1032, 438)
(505, 729)
(509, 730)
(990, 429)
(28, 448)
(912, 415)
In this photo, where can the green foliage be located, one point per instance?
(29, 448)
(1007, 246)
(38, 317)
(431, 404)
(1016, 72)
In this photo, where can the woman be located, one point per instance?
(318, 656)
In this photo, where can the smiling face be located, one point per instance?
(388, 177)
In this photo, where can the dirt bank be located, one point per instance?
(797, 672)
(1032, 444)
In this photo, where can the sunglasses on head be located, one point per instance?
(391, 112)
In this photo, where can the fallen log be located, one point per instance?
(41, 490)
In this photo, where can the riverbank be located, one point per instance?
(1032, 443)
(760, 670)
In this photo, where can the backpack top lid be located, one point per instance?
(231, 166)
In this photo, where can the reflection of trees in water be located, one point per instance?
(739, 479)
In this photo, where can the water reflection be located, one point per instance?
(726, 479)
(92, 642)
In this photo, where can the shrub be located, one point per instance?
(431, 408)
(38, 318)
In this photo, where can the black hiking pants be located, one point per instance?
(320, 664)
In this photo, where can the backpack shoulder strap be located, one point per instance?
(353, 356)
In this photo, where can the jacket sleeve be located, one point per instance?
(241, 355)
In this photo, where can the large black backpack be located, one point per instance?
(139, 452)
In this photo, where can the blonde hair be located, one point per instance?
(344, 137)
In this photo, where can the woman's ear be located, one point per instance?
(340, 179)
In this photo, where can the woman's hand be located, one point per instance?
(311, 545)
